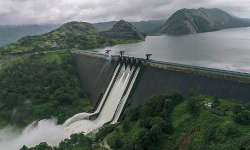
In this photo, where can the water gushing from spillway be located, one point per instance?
(43, 131)
(110, 106)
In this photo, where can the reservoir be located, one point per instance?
(226, 49)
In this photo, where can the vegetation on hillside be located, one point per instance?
(194, 122)
(209, 123)
(78, 35)
(76, 142)
(190, 21)
(176, 122)
(146, 127)
(123, 31)
(146, 27)
(72, 35)
(197, 123)
(40, 86)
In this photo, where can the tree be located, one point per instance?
(216, 102)
(176, 97)
(231, 131)
(143, 139)
(40, 86)
(210, 134)
(125, 125)
(24, 148)
(243, 117)
(118, 143)
(193, 106)
(145, 122)
(245, 143)
(155, 133)
(134, 114)
(42, 146)
(237, 109)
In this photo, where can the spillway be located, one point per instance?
(111, 104)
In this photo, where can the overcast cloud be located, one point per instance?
(60, 11)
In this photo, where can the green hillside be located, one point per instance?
(123, 31)
(188, 123)
(39, 87)
(73, 35)
(173, 123)
(78, 35)
(146, 27)
(190, 21)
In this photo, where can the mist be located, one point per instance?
(34, 134)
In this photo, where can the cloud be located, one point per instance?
(60, 11)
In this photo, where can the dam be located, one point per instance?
(116, 82)
(112, 102)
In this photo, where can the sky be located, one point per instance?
(15, 12)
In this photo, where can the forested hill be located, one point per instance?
(12, 33)
(40, 87)
(146, 27)
(123, 30)
(72, 35)
(171, 122)
(189, 21)
(79, 35)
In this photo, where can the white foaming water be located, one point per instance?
(122, 102)
(84, 115)
(36, 133)
(109, 108)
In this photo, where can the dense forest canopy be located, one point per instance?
(171, 122)
(40, 86)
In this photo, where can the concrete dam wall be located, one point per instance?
(156, 81)
(158, 78)
(95, 73)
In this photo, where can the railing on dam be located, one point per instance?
(165, 64)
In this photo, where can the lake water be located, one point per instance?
(227, 49)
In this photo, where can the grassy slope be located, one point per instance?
(40, 86)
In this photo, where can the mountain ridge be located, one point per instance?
(123, 30)
(190, 21)
(146, 27)
(79, 35)
(75, 35)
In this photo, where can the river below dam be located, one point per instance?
(226, 49)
